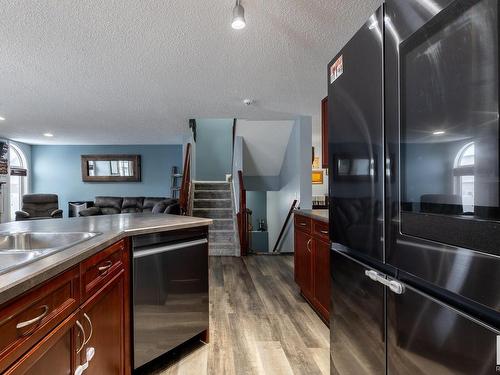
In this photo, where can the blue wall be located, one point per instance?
(214, 149)
(295, 183)
(57, 169)
(257, 202)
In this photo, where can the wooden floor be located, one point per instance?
(259, 324)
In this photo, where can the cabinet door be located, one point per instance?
(54, 354)
(103, 317)
(321, 275)
(303, 262)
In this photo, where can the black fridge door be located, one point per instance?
(425, 336)
(357, 319)
(442, 150)
(356, 159)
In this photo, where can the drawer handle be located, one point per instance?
(80, 327)
(324, 231)
(34, 320)
(104, 268)
(302, 224)
(91, 329)
(308, 243)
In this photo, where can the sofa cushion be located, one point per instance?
(159, 207)
(109, 205)
(150, 202)
(91, 211)
(132, 204)
(173, 208)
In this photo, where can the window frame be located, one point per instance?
(24, 179)
(460, 170)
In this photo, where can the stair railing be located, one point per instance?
(186, 182)
(242, 216)
(282, 231)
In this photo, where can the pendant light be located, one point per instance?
(238, 16)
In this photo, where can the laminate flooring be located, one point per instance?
(259, 323)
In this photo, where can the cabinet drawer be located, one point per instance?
(29, 318)
(320, 229)
(303, 223)
(100, 268)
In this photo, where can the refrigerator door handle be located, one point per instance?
(393, 285)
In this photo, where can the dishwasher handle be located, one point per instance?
(163, 249)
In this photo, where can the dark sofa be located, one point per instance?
(122, 205)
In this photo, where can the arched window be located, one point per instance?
(464, 176)
(18, 178)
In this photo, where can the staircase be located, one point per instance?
(214, 200)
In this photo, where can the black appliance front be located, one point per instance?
(442, 148)
(357, 319)
(426, 336)
(356, 159)
(170, 291)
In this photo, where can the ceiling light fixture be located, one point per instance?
(2, 118)
(238, 16)
(48, 135)
(438, 132)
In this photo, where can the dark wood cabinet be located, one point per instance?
(303, 262)
(312, 263)
(104, 317)
(324, 133)
(321, 272)
(83, 308)
(55, 354)
(30, 317)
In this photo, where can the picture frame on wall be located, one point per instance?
(317, 177)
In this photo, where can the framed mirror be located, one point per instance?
(111, 168)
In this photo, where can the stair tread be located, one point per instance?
(211, 191)
(212, 209)
(212, 199)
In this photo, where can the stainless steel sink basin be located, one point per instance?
(18, 249)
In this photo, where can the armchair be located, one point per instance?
(39, 206)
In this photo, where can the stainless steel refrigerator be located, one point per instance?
(414, 169)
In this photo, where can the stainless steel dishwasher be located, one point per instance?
(170, 291)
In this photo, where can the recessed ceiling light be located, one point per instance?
(2, 118)
(248, 101)
(48, 135)
(238, 17)
(438, 132)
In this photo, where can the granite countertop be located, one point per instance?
(112, 228)
(321, 215)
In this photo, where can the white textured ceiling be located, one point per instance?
(115, 72)
(265, 144)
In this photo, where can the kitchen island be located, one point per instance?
(61, 312)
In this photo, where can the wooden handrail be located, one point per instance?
(186, 182)
(282, 231)
(242, 216)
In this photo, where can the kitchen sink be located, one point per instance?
(18, 249)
